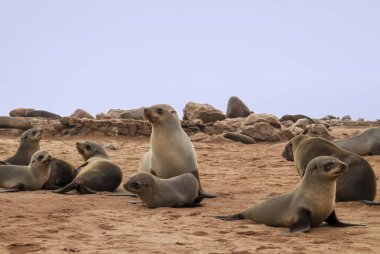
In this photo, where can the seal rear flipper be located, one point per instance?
(136, 202)
(237, 216)
(302, 222)
(4, 163)
(198, 200)
(71, 186)
(370, 203)
(83, 189)
(124, 194)
(335, 222)
(51, 187)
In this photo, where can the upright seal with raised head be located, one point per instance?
(171, 151)
(359, 183)
(31, 177)
(310, 204)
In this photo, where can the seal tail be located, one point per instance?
(237, 216)
(67, 188)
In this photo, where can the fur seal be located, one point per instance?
(367, 143)
(359, 182)
(155, 192)
(31, 177)
(171, 151)
(310, 204)
(15, 123)
(98, 173)
(239, 138)
(237, 108)
(42, 113)
(29, 144)
(136, 114)
(294, 118)
(61, 174)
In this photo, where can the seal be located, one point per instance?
(309, 205)
(15, 123)
(98, 173)
(155, 192)
(294, 118)
(30, 177)
(171, 151)
(239, 138)
(29, 144)
(367, 143)
(359, 183)
(42, 113)
(61, 174)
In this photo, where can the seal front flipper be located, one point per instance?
(136, 202)
(302, 222)
(335, 222)
(231, 217)
(370, 203)
(16, 188)
(4, 163)
(77, 170)
(201, 192)
(124, 194)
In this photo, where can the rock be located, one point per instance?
(239, 138)
(300, 126)
(111, 114)
(320, 130)
(259, 118)
(136, 114)
(199, 136)
(80, 113)
(346, 118)
(237, 108)
(360, 119)
(20, 112)
(205, 112)
(287, 123)
(42, 113)
(227, 125)
(263, 131)
(15, 123)
(102, 116)
(112, 146)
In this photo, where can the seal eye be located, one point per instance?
(33, 133)
(40, 157)
(88, 147)
(159, 111)
(328, 166)
(135, 185)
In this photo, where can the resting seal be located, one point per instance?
(29, 144)
(310, 204)
(155, 192)
(31, 177)
(171, 151)
(294, 118)
(359, 182)
(42, 113)
(98, 173)
(61, 174)
(367, 143)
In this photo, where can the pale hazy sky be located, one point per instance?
(309, 57)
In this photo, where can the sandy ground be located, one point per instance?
(44, 222)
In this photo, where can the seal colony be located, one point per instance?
(168, 174)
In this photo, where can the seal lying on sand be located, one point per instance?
(171, 151)
(310, 204)
(359, 182)
(98, 173)
(31, 177)
(367, 143)
(155, 192)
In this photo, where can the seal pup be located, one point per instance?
(61, 174)
(98, 173)
(29, 144)
(155, 192)
(31, 177)
(367, 143)
(171, 151)
(310, 204)
(359, 183)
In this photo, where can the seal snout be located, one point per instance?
(79, 146)
(132, 186)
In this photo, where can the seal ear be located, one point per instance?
(173, 112)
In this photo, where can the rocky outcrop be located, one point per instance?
(80, 113)
(204, 112)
